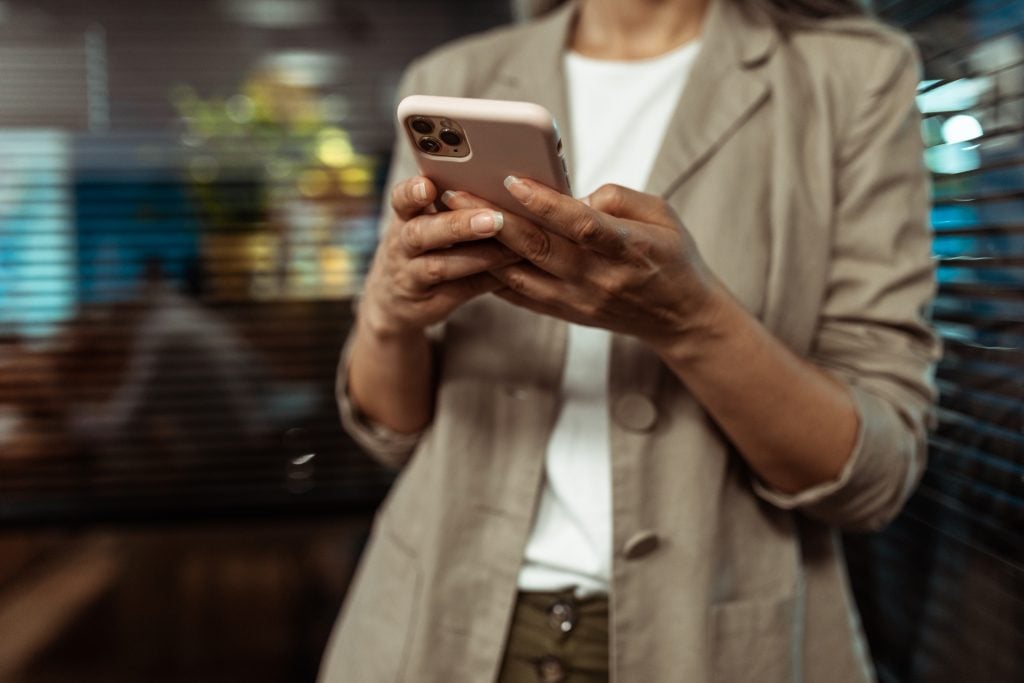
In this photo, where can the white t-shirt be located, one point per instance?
(619, 111)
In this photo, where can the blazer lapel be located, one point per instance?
(723, 90)
(724, 87)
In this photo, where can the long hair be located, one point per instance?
(789, 14)
(785, 13)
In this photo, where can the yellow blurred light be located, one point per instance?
(261, 248)
(333, 148)
(356, 181)
(314, 183)
(336, 270)
(335, 152)
(355, 174)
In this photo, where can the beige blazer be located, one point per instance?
(797, 165)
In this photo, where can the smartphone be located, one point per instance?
(472, 145)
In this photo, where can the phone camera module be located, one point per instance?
(422, 125)
(450, 137)
(430, 145)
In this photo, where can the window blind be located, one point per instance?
(942, 590)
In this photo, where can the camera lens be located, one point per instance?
(430, 145)
(450, 137)
(423, 126)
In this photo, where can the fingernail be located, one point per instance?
(447, 197)
(487, 223)
(518, 188)
(419, 190)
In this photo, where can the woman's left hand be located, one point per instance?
(618, 259)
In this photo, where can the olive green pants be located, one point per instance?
(556, 638)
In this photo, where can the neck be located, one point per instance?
(636, 29)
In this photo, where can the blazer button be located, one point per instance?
(635, 412)
(550, 669)
(640, 544)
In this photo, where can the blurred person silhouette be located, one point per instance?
(631, 425)
(191, 386)
(32, 406)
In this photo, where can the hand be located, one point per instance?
(429, 263)
(619, 259)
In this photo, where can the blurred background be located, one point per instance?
(188, 199)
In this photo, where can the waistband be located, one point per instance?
(591, 603)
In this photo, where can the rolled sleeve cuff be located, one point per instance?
(389, 447)
(875, 480)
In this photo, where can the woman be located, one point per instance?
(631, 428)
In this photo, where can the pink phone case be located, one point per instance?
(504, 138)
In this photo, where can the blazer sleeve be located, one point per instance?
(385, 445)
(873, 333)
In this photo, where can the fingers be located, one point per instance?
(548, 251)
(439, 267)
(532, 283)
(568, 217)
(428, 232)
(529, 304)
(528, 288)
(410, 197)
(623, 202)
(455, 293)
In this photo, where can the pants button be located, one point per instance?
(550, 669)
(562, 617)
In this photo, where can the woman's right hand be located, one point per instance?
(430, 263)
